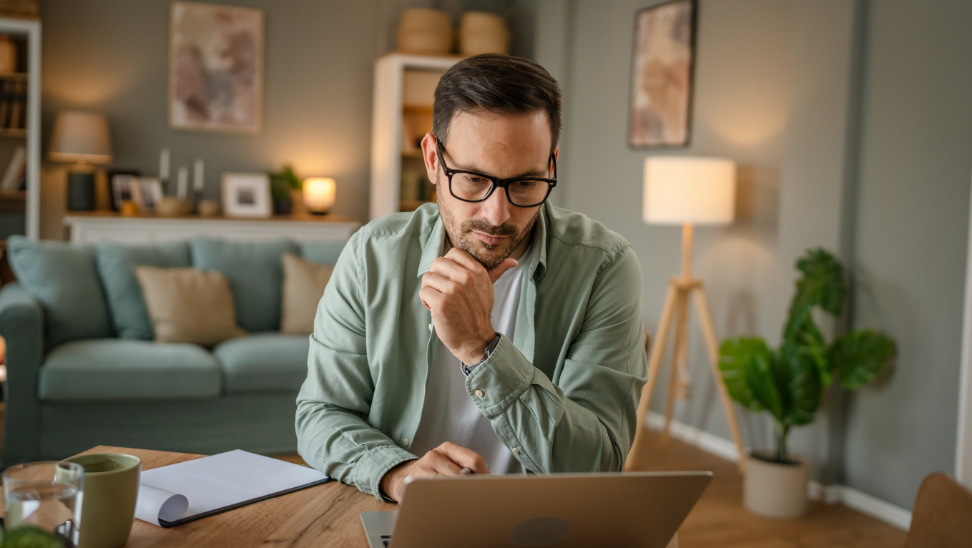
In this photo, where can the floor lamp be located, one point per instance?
(681, 190)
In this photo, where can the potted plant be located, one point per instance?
(789, 381)
(283, 183)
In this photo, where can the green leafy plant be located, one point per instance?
(789, 381)
(283, 181)
(30, 537)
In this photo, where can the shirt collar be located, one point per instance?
(432, 249)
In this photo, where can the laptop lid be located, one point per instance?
(639, 509)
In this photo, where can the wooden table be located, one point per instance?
(322, 516)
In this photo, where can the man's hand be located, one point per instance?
(447, 459)
(458, 291)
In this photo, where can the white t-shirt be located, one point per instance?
(449, 413)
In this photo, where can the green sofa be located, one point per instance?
(83, 369)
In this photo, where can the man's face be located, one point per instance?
(497, 145)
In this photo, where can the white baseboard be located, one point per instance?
(828, 494)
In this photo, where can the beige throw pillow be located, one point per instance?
(303, 287)
(188, 305)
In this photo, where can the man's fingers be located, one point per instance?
(464, 259)
(464, 457)
(451, 269)
(430, 297)
(495, 273)
(438, 282)
(443, 465)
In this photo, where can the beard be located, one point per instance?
(488, 255)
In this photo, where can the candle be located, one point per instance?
(197, 180)
(164, 165)
(183, 188)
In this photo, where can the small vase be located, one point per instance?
(775, 490)
(282, 206)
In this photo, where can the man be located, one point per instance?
(488, 331)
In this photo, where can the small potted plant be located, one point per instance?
(789, 381)
(283, 185)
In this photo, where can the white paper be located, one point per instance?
(215, 482)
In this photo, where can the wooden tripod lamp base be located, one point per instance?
(685, 190)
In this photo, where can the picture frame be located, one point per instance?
(118, 183)
(662, 75)
(216, 67)
(246, 195)
(146, 192)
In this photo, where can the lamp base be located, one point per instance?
(81, 191)
(312, 212)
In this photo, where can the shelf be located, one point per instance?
(13, 201)
(21, 76)
(13, 133)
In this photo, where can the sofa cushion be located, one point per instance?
(116, 264)
(303, 287)
(255, 275)
(64, 279)
(321, 252)
(264, 362)
(118, 369)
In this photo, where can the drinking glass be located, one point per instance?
(46, 495)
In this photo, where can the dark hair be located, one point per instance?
(496, 83)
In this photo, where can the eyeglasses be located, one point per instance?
(470, 186)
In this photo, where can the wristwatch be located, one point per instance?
(467, 369)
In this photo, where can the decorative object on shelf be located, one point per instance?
(146, 193)
(246, 195)
(319, 194)
(281, 184)
(164, 170)
(173, 206)
(16, 170)
(80, 138)
(208, 208)
(789, 382)
(684, 190)
(128, 209)
(216, 67)
(19, 8)
(425, 31)
(198, 180)
(8, 55)
(118, 185)
(661, 93)
(481, 32)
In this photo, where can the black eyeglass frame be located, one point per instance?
(497, 182)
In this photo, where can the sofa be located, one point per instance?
(83, 368)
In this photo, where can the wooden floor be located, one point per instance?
(719, 519)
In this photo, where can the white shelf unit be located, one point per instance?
(391, 97)
(29, 30)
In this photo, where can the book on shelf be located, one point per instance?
(15, 170)
(18, 96)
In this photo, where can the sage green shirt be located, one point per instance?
(562, 395)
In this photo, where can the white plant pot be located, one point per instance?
(775, 490)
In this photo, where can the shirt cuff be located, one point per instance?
(500, 379)
(374, 464)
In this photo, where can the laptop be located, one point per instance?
(639, 509)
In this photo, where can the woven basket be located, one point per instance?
(483, 33)
(425, 31)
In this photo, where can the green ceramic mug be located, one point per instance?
(110, 491)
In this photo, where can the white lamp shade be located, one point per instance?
(319, 194)
(689, 190)
(80, 137)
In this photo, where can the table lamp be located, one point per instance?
(319, 194)
(687, 191)
(80, 138)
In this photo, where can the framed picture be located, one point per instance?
(119, 183)
(146, 192)
(246, 195)
(215, 67)
(661, 78)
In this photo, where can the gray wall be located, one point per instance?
(852, 125)
(912, 228)
(111, 56)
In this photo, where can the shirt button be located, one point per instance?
(516, 450)
(430, 328)
(479, 393)
(405, 442)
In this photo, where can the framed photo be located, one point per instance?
(661, 75)
(215, 67)
(246, 195)
(146, 192)
(119, 183)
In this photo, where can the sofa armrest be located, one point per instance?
(22, 326)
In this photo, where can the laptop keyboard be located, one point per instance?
(385, 539)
